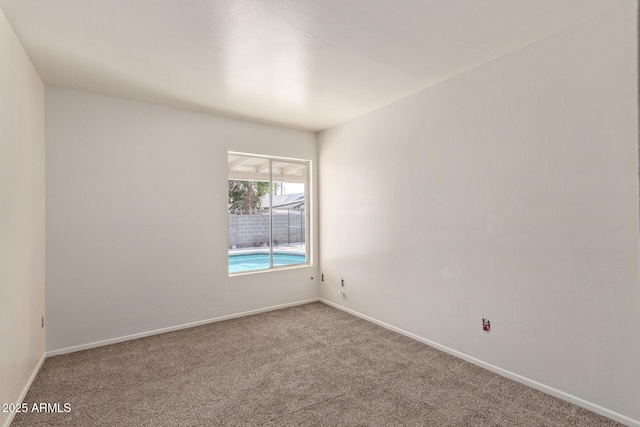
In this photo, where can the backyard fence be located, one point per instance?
(253, 230)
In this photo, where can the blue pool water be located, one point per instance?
(260, 261)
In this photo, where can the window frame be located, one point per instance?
(307, 213)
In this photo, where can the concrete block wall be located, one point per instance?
(249, 230)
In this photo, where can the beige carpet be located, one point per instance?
(301, 366)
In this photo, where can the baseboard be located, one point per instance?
(503, 372)
(173, 328)
(26, 388)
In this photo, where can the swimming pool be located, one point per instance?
(239, 263)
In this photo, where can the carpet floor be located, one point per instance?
(301, 366)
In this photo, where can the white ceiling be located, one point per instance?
(310, 64)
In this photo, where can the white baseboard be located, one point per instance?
(26, 388)
(503, 372)
(173, 328)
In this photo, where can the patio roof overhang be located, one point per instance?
(249, 168)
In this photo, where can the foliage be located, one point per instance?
(245, 197)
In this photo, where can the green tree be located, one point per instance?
(245, 197)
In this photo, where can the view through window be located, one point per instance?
(267, 212)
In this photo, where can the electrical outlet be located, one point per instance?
(486, 325)
(341, 282)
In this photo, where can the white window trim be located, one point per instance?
(308, 209)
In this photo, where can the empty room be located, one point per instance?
(329, 212)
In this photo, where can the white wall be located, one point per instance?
(508, 192)
(137, 223)
(21, 218)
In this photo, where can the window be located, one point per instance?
(268, 212)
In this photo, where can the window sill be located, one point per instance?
(270, 270)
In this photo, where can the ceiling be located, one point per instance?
(309, 64)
